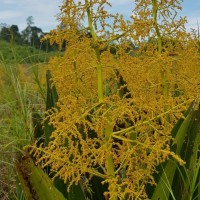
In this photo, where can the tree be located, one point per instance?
(32, 34)
(26, 33)
(15, 35)
(30, 21)
(11, 34)
(36, 34)
(3, 25)
(5, 34)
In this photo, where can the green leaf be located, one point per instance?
(181, 120)
(164, 186)
(19, 191)
(37, 126)
(52, 98)
(188, 177)
(34, 182)
(97, 188)
(76, 192)
(52, 95)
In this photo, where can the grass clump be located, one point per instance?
(20, 97)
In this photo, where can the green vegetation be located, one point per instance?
(31, 36)
(23, 53)
(22, 85)
(19, 97)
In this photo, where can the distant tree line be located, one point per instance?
(31, 35)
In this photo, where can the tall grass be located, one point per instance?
(20, 97)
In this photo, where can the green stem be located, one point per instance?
(155, 11)
(162, 71)
(96, 47)
(110, 168)
(99, 76)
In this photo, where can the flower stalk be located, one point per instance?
(159, 42)
(96, 47)
(109, 164)
(155, 23)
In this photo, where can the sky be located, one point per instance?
(44, 12)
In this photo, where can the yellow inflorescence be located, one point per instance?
(161, 85)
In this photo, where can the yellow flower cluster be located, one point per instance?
(116, 110)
